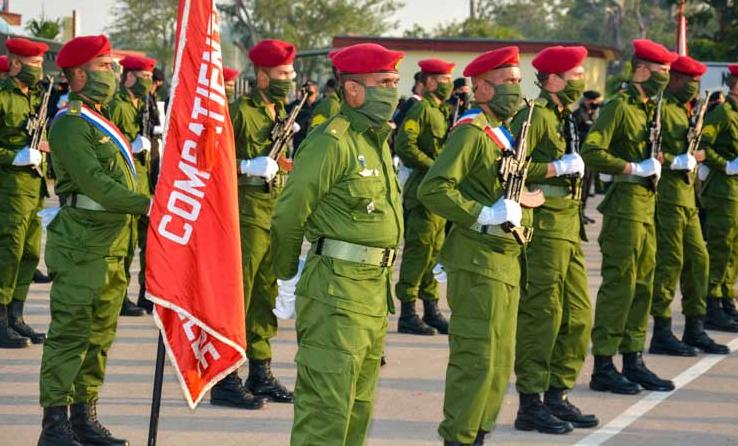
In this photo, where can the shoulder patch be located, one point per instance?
(540, 102)
(337, 126)
(74, 108)
(411, 126)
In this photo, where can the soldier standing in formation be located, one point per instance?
(229, 82)
(328, 106)
(418, 143)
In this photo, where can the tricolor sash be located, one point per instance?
(500, 135)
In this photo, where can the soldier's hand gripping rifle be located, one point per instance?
(654, 139)
(36, 125)
(145, 125)
(694, 135)
(571, 136)
(513, 172)
(283, 131)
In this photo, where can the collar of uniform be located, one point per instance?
(732, 101)
(258, 100)
(430, 98)
(76, 97)
(15, 85)
(545, 96)
(669, 97)
(489, 119)
(358, 122)
(124, 96)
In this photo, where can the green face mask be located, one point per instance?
(230, 93)
(443, 91)
(30, 75)
(506, 100)
(379, 104)
(100, 86)
(278, 89)
(688, 91)
(572, 92)
(142, 87)
(655, 84)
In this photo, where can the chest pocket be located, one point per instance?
(106, 153)
(367, 198)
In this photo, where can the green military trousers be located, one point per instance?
(481, 341)
(259, 291)
(682, 259)
(424, 235)
(338, 358)
(721, 235)
(20, 243)
(86, 296)
(624, 298)
(554, 318)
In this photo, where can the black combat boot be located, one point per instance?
(636, 371)
(664, 342)
(433, 316)
(144, 303)
(410, 322)
(39, 277)
(262, 383)
(230, 392)
(557, 402)
(728, 304)
(479, 441)
(56, 430)
(16, 322)
(716, 318)
(606, 378)
(130, 309)
(88, 429)
(10, 338)
(695, 335)
(534, 415)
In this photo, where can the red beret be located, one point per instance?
(653, 52)
(272, 53)
(366, 58)
(559, 59)
(733, 68)
(229, 74)
(491, 60)
(81, 50)
(436, 66)
(4, 64)
(138, 63)
(687, 65)
(25, 48)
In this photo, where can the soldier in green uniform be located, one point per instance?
(482, 261)
(618, 145)
(125, 112)
(229, 82)
(260, 182)
(88, 242)
(555, 314)
(720, 201)
(328, 106)
(344, 198)
(22, 190)
(418, 142)
(682, 255)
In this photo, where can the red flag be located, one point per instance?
(193, 254)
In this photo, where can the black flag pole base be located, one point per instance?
(156, 394)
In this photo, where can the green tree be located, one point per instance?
(712, 33)
(44, 27)
(146, 25)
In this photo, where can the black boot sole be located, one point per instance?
(620, 391)
(16, 345)
(226, 403)
(722, 350)
(440, 327)
(654, 388)
(405, 330)
(723, 328)
(665, 351)
(527, 426)
(582, 424)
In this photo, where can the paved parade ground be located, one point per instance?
(702, 411)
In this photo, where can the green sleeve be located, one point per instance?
(74, 147)
(714, 125)
(595, 150)
(439, 190)
(406, 144)
(6, 155)
(124, 116)
(316, 169)
(240, 130)
(537, 171)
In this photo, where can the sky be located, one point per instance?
(95, 15)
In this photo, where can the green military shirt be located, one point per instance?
(126, 116)
(673, 189)
(719, 137)
(325, 109)
(617, 137)
(463, 179)
(559, 216)
(87, 162)
(343, 187)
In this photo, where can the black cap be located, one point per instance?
(416, 76)
(158, 75)
(331, 83)
(459, 82)
(591, 94)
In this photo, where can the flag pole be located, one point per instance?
(156, 395)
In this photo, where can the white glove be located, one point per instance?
(502, 211)
(140, 144)
(284, 307)
(296, 128)
(27, 157)
(685, 161)
(731, 167)
(439, 273)
(47, 215)
(261, 166)
(703, 172)
(569, 164)
(647, 168)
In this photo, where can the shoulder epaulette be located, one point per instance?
(74, 108)
(337, 126)
(541, 102)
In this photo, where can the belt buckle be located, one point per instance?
(388, 257)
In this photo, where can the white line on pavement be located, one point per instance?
(651, 400)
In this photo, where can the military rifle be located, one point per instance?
(654, 139)
(36, 125)
(145, 117)
(694, 135)
(571, 135)
(284, 130)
